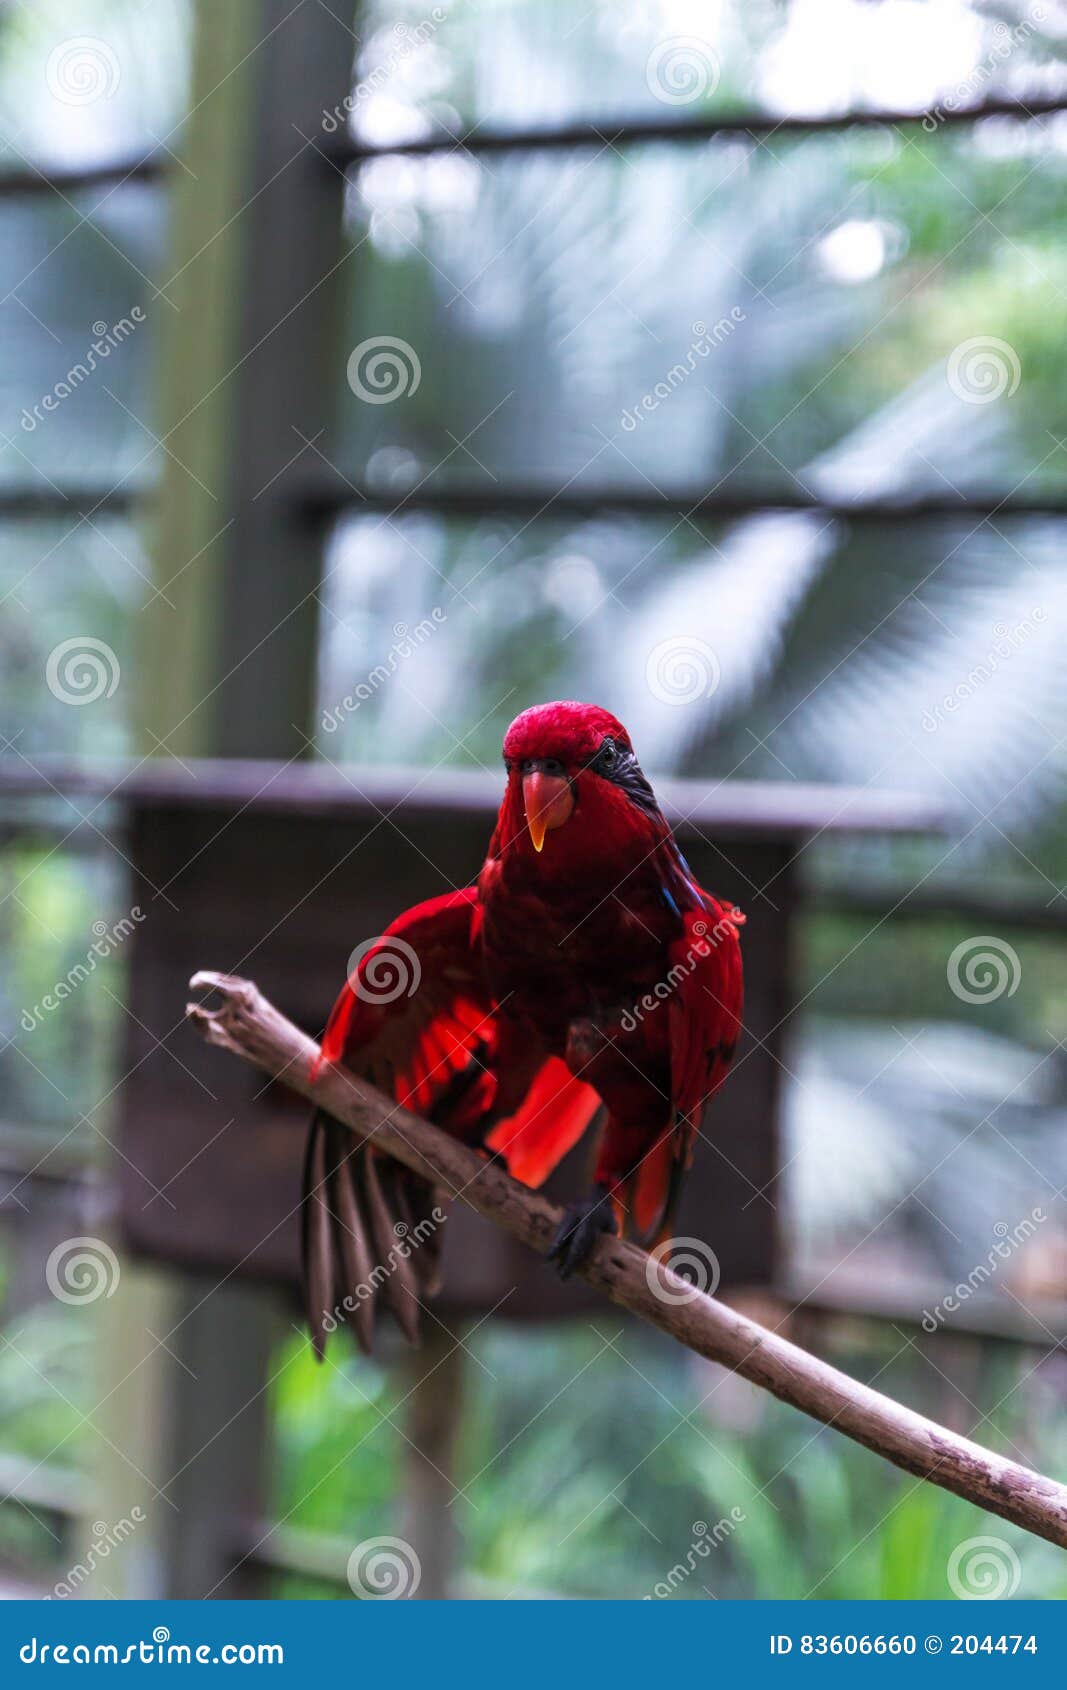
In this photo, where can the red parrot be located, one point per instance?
(585, 972)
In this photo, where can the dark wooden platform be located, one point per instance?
(277, 871)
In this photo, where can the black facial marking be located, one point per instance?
(616, 763)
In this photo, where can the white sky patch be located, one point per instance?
(832, 54)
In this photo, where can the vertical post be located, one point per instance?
(435, 1408)
(132, 1386)
(226, 667)
(216, 1437)
(248, 371)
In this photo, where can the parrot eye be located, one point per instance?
(607, 756)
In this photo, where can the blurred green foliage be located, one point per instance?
(543, 297)
(591, 1459)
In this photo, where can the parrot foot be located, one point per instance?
(583, 1223)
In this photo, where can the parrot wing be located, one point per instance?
(416, 1018)
(415, 1008)
(704, 1022)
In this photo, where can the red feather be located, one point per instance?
(550, 1120)
(585, 968)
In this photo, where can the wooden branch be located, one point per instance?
(250, 1027)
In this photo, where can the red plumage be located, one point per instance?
(584, 969)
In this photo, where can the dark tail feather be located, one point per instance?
(315, 1241)
(423, 1208)
(389, 1229)
(351, 1232)
(369, 1228)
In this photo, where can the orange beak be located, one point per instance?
(549, 802)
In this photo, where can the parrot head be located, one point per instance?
(568, 761)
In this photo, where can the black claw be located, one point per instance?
(583, 1223)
